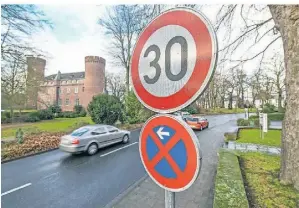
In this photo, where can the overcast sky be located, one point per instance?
(76, 34)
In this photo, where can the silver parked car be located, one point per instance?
(92, 137)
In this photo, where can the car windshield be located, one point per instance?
(192, 119)
(80, 131)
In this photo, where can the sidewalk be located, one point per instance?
(149, 195)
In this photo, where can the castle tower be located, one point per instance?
(35, 76)
(36, 66)
(94, 83)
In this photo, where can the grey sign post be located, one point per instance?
(169, 199)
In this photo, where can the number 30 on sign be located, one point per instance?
(173, 60)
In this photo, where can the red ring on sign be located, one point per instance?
(184, 178)
(204, 53)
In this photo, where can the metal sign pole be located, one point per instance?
(169, 199)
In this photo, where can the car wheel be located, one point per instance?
(126, 139)
(92, 149)
(200, 128)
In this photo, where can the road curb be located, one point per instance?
(22, 157)
(139, 128)
(126, 192)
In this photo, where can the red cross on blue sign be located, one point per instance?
(170, 153)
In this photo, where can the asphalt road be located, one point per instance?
(57, 179)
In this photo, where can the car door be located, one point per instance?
(100, 135)
(114, 134)
(205, 122)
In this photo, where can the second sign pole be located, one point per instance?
(169, 199)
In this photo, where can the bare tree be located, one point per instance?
(281, 24)
(13, 83)
(18, 23)
(254, 84)
(276, 68)
(115, 85)
(122, 24)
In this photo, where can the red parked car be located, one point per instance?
(198, 123)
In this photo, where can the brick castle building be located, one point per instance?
(67, 89)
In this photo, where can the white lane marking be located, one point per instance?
(108, 153)
(15, 189)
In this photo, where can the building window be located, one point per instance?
(77, 81)
(76, 89)
(59, 91)
(74, 81)
(68, 90)
(77, 101)
(59, 102)
(67, 101)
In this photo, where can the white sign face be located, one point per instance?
(265, 122)
(173, 60)
(261, 119)
(160, 41)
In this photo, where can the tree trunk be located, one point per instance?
(127, 80)
(11, 113)
(242, 98)
(222, 102)
(286, 19)
(279, 100)
(230, 104)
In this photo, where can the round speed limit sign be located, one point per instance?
(173, 60)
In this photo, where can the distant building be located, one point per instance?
(69, 89)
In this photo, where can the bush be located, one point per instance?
(7, 114)
(229, 185)
(190, 109)
(243, 122)
(269, 108)
(80, 111)
(39, 115)
(134, 109)
(33, 117)
(256, 122)
(275, 116)
(5, 120)
(105, 109)
(45, 115)
(68, 114)
(253, 117)
(54, 109)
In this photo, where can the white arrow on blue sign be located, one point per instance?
(161, 133)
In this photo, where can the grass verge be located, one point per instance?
(271, 138)
(228, 111)
(229, 187)
(56, 125)
(263, 188)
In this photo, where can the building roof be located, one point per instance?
(66, 76)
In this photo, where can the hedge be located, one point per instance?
(229, 186)
(276, 116)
